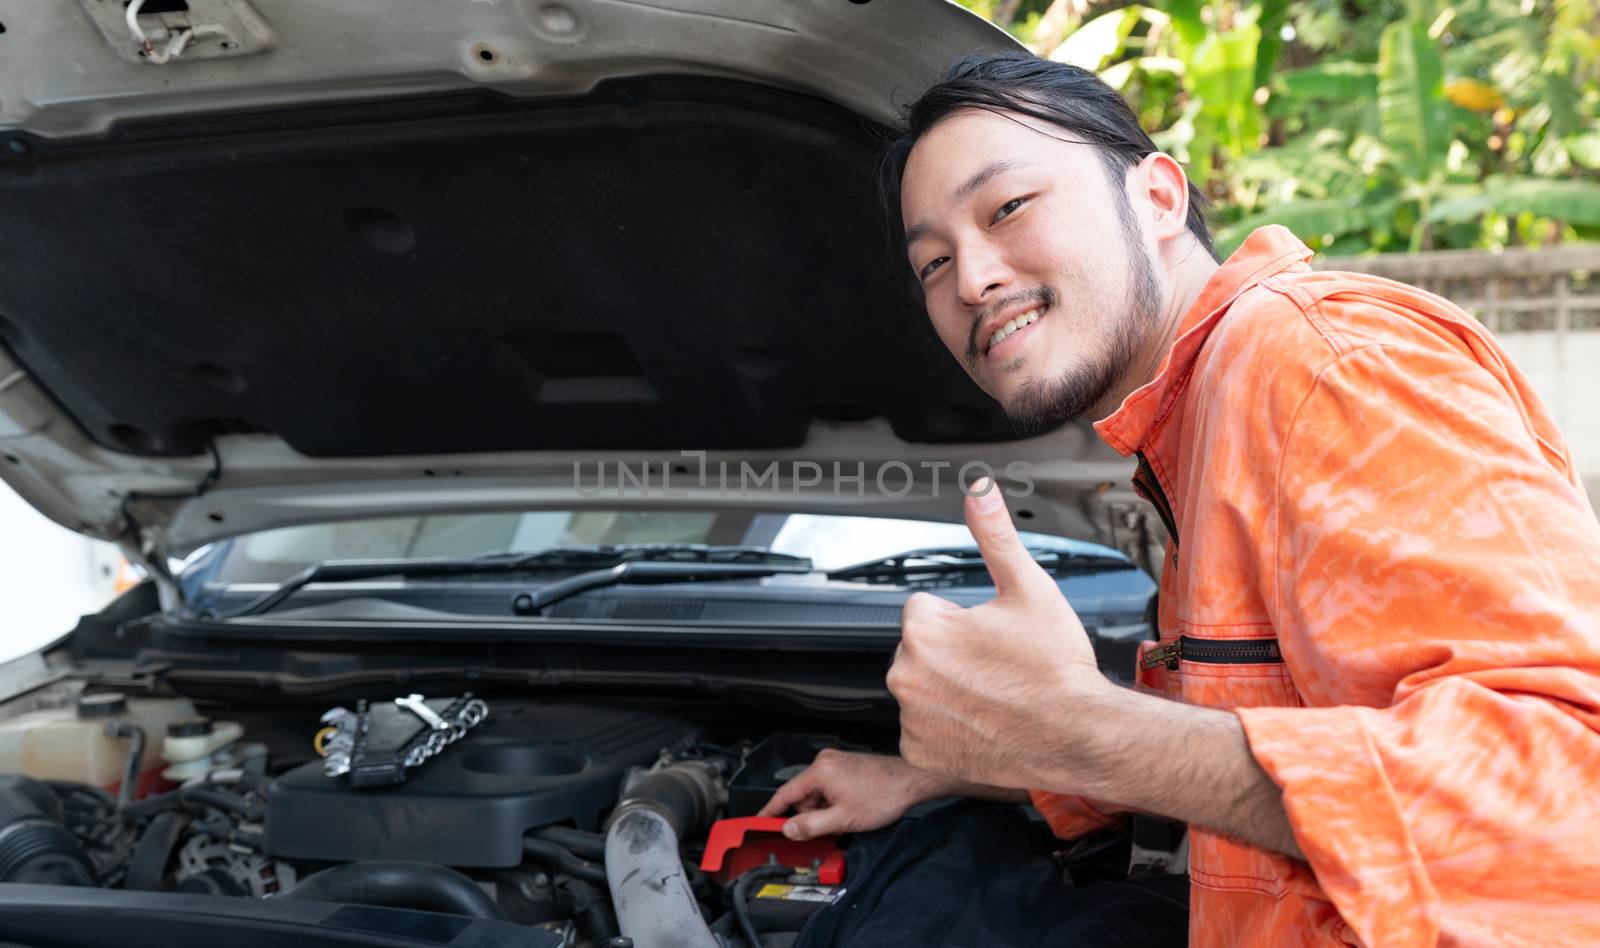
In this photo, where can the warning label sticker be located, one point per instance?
(799, 893)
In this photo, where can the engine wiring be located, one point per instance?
(178, 41)
(208, 835)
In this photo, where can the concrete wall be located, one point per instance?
(1564, 368)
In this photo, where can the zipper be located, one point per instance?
(1148, 486)
(1187, 648)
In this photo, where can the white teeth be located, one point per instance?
(1031, 316)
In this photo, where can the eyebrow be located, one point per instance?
(983, 176)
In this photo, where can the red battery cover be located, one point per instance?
(738, 845)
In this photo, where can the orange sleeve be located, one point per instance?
(1434, 575)
(1070, 816)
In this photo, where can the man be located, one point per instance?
(1379, 605)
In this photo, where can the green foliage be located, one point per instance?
(1363, 125)
(1412, 110)
(1337, 80)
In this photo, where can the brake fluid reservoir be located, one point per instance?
(71, 743)
(191, 746)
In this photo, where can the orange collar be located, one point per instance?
(1266, 252)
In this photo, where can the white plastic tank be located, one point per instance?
(71, 743)
(194, 746)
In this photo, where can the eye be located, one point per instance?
(931, 266)
(1007, 209)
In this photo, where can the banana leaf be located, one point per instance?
(1310, 220)
(1098, 41)
(1222, 75)
(1186, 20)
(1576, 202)
(1345, 81)
(1273, 15)
(1413, 113)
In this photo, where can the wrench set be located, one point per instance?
(378, 743)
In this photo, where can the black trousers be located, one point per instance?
(977, 874)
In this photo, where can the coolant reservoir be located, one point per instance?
(71, 743)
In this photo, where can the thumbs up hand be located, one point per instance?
(985, 693)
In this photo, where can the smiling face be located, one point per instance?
(1035, 269)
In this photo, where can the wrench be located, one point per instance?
(415, 705)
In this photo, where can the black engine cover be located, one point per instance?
(526, 766)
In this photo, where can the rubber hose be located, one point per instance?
(66, 788)
(741, 895)
(590, 907)
(195, 796)
(148, 864)
(563, 860)
(227, 832)
(417, 885)
(590, 846)
(130, 774)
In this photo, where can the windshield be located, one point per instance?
(829, 541)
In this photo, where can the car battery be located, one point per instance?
(798, 877)
(785, 904)
(735, 846)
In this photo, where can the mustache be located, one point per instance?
(1039, 294)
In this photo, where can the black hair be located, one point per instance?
(1066, 96)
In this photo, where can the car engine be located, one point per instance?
(601, 825)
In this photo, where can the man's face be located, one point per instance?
(1035, 269)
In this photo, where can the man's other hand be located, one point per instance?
(986, 693)
(842, 792)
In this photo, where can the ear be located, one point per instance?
(1159, 179)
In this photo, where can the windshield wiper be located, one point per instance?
(591, 558)
(639, 572)
(937, 561)
(695, 553)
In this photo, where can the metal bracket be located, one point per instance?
(1135, 533)
(162, 32)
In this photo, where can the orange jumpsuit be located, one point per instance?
(1384, 564)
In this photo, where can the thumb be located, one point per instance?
(828, 821)
(1010, 564)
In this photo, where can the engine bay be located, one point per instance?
(589, 824)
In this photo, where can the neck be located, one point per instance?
(1188, 267)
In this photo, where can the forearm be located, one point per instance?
(983, 791)
(1176, 760)
(925, 785)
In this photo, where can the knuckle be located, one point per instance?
(915, 607)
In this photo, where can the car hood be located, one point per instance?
(323, 261)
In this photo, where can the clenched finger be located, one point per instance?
(829, 821)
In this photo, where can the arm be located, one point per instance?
(1434, 583)
(1008, 694)
(1159, 756)
(843, 792)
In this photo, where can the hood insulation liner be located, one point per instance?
(663, 263)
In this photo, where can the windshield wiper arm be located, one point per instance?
(969, 559)
(640, 571)
(697, 553)
(553, 558)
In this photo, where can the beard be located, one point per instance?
(1043, 405)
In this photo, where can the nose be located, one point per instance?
(980, 271)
